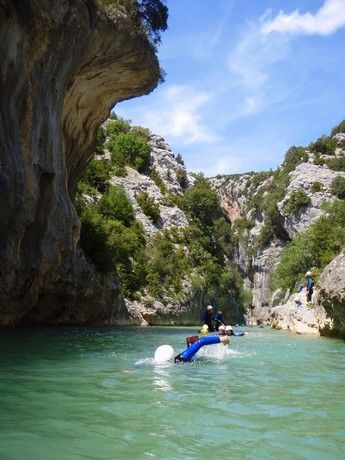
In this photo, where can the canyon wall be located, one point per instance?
(64, 65)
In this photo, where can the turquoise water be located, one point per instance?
(95, 394)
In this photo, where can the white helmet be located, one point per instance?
(163, 354)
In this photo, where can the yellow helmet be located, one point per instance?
(204, 329)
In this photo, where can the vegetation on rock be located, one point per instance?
(298, 199)
(325, 145)
(338, 187)
(149, 207)
(339, 128)
(315, 247)
(149, 15)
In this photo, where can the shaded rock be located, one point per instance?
(63, 66)
(332, 294)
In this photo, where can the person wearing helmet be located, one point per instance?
(187, 354)
(209, 318)
(204, 329)
(221, 330)
(310, 285)
(229, 330)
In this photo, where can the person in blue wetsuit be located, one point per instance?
(187, 354)
(219, 320)
(310, 286)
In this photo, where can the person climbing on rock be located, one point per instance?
(310, 285)
(209, 318)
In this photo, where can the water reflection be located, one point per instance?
(161, 378)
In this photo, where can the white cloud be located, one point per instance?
(251, 63)
(176, 114)
(327, 20)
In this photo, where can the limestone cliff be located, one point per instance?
(260, 248)
(332, 294)
(64, 64)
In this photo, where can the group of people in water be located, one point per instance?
(212, 323)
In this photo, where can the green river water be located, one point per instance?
(96, 394)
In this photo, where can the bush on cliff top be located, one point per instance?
(129, 149)
(324, 145)
(339, 128)
(150, 15)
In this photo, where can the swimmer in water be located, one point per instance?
(221, 330)
(189, 352)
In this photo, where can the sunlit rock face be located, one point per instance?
(63, 66)
(303, 177)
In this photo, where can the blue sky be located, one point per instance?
(246, 80)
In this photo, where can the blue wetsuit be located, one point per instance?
(310, 286)
(189, 352)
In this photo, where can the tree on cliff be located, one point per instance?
(152, 15)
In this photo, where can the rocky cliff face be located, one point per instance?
(166, 167)
(332, 294)
(258, 261)
(64, 65)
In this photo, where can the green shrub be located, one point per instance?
(97, 174)
(120, 171)
(151, 16)
(241, 226)
(118, 126)
(149, 207)
(100, 139)
(94, 239)
(324, 145)
(338, 187)
(139, 131)
(201, 203)
(316, 187)
(339, 128)
(297, 200)
(128, 149)
(293, 157)
(158, 181)
(115, 205)
(337, 163)
(179, 159)
(265, 236)
(181, 177)
(258, 178)
(166, 265)
(316, 247)
(318, 160)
